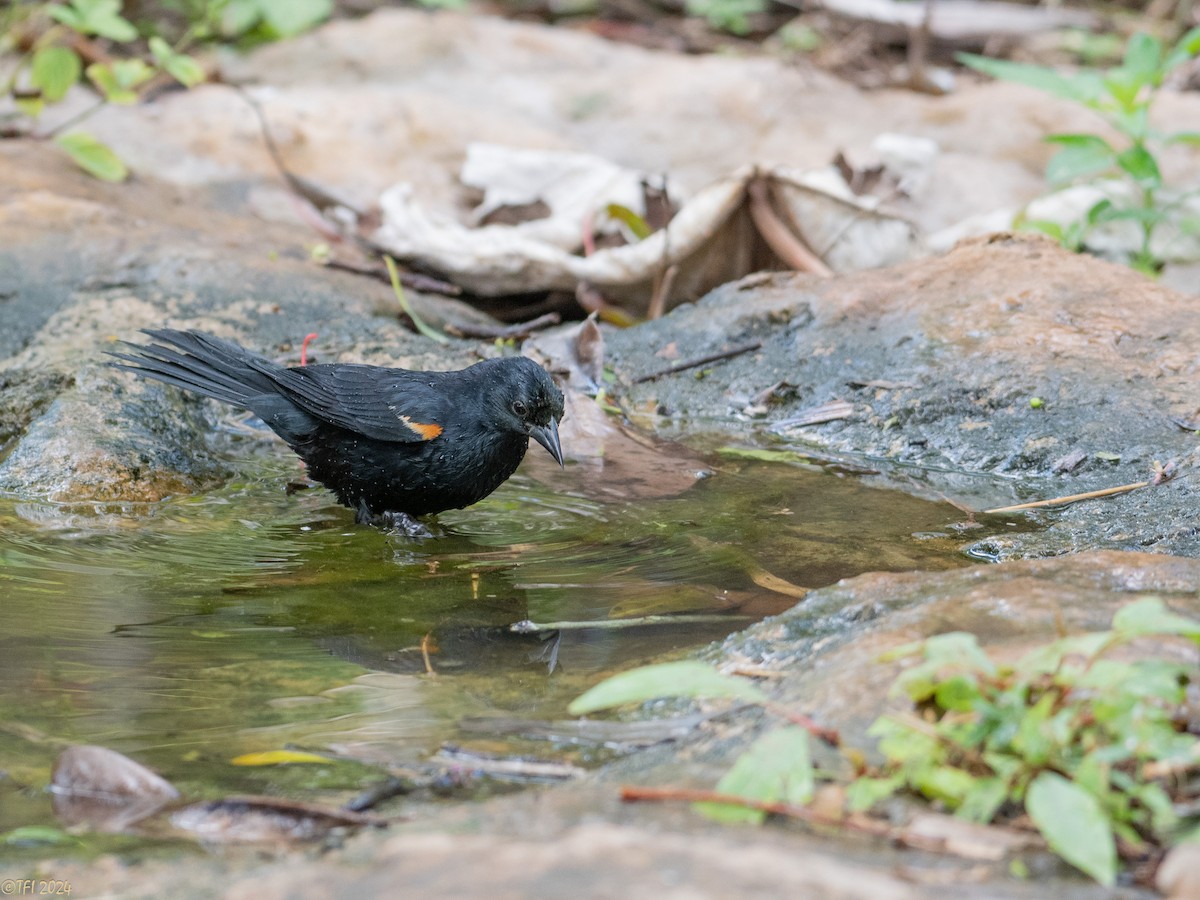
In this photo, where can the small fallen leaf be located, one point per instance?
(92, 156)
(278, 758)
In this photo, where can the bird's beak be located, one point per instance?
(547, 436)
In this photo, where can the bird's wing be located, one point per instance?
(379, 403)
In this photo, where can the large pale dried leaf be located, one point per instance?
(709, 242)
(962, 22)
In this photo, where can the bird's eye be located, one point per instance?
(519, 408)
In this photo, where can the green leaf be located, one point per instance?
(1083, 87)
(239, 16)
(1140, 163)
(1033, 740)
(1185, 48)
(118, 80)
(901, 743)
(1047, 227)
(1154, 798)
(1143, 57)
(185, 70)
(66, 16)
(946, 784)
(863, 793)
(635, 223)
(1092, 775)
(1151, 616)
(289, 17)
(1081, 155)
(945, 654)
(100, 17)
(179, 66)
(1183, 137)
(676, 679)
(1050, 658)
(985, 797)
(957, 693)
(54, 71)
(1101, 211)
(726, 15)
(37, 836)
(402, 298)
(1074, 825)
(776, 769)
(1124, 86)
(92, 156)
(959, 648)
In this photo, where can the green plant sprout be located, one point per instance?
(1095, 749)
(51, 64)
(1123, 96)
(732, 16)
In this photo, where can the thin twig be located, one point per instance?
(658, 303)
(1070, 498)
(828, 735)
(506, 767)
(637, 794)
(73, 120)
(413, 280)
(526, 626)
(520, 330)
(704, 360)
(425, 643)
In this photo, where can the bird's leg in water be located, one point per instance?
(399, 522)
(403, 523)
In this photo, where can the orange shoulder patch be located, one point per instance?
(425, 432)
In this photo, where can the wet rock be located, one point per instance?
(942, 360)
(828, 646)
(100, 788)
(83, 264)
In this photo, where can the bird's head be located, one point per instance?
(526, 401)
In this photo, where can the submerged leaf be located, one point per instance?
(278, 758)
(783, 456)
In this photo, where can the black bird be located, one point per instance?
(391, 443)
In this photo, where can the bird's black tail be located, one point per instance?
(201, 363)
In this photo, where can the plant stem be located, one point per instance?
(73, 120)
